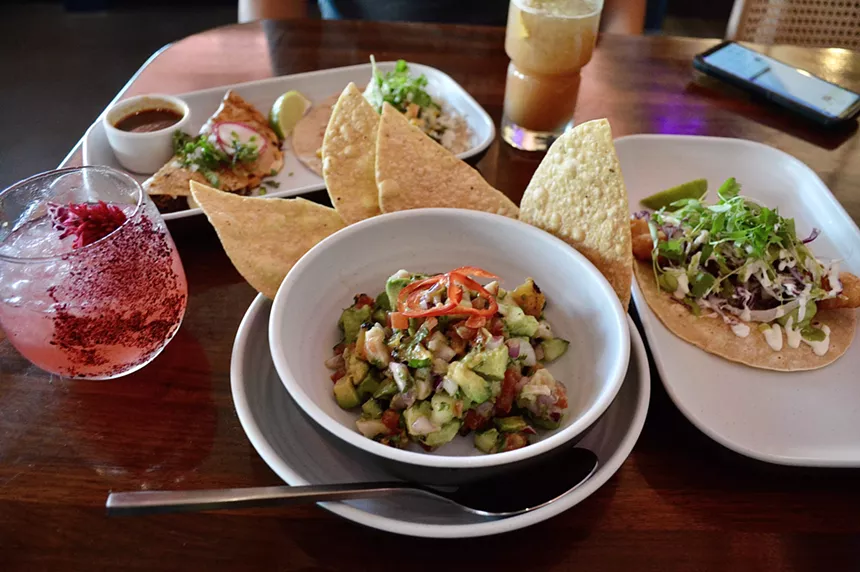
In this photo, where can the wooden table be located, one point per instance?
(681, 502)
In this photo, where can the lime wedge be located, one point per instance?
(691, 190)
(287, 111)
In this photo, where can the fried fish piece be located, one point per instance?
(173, 179)
(848, 298)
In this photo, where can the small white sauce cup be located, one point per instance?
(144, 152)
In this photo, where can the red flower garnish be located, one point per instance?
(87, 222)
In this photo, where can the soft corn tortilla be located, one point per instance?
(413, 171)
(714, 336)
(264, 238)
(309, 132)
(349, 157)
(173, 179)
(578, 195)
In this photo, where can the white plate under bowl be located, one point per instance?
(809, 418)
(300, 453)
(316, 86)
(581, 308)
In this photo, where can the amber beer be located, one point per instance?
(549, 42)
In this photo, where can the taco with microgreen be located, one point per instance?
(734, 279)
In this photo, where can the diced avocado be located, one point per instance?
(520, 324)
(492, 363)
(553, 349)
(411, 414)
(351, 320)
(380, 316)
(356, 368)
(475, 387)
(529, 297)
(513, 424)
(386, 390)
(368, 385)
(418, 356)
(383, 303)
(372, 408)
(392, 289)
(545, 423)
(444, 435)
(487, 440)
(345, 394)
(443, 408)
(808, 314)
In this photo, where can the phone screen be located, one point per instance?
(783, 79)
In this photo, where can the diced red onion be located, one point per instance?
(527, 354)
(645, 215)
(423, 426)
(529, 431)
(546, 400)
(403, 400)
(335, 362)
(450, 386)
(445, 353)
(485, 409)
(513, 348)
(370, 427)
(494, 342)
(812, 236)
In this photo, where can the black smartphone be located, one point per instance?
(789, 87)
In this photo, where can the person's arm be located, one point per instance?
(623, 16)
(250, 10)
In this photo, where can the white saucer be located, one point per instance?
(300, 453)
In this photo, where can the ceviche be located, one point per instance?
(434, 356)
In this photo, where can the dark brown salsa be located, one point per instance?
(147, 120)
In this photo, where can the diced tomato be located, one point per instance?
(474, 421)
(398, 321)
(363, 300)
(562, 396)
(391, 419)
(505, 400)
(337, 375)
(338, 349)
(497, 327)
(515, 441)
(476, 322)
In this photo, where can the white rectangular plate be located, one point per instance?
(807, 418)
(316, 86)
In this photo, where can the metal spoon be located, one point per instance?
(513, 493)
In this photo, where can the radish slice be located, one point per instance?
(228, 132)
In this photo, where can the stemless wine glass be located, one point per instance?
(549, 42)
(91, 285)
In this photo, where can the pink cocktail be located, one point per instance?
(91, 284)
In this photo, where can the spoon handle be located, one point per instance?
(156, 502)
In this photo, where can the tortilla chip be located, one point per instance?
(173, 179)
(264, 238)
(714, 336)
(578, 194)
(308, 135)
(349, 157)
(413, 171)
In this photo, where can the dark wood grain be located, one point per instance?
(681, 502)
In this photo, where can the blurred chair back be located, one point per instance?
(820, 23)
